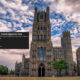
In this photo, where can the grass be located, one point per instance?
(39, 78)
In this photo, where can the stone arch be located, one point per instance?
(41, 70)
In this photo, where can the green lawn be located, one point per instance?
(39, 78)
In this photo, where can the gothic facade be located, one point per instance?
(42, 53)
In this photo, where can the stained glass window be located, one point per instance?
(41, 37)
(44, 37)
(44, 28)
(38, 27)
(44, 53)
(38, 37)
(41, 16)
(38, 53)
(41, 53)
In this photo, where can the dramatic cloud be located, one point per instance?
(17, 16)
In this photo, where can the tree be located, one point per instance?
(11, 72)
(59, 65)
(3, 70)
(75, 67)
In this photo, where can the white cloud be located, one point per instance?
(21, 12)
(8, 57)
(17, 10)
(5, 26)
(68, 8)
(56, 40)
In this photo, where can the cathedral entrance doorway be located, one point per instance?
(41, 70)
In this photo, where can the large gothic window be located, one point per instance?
(41, 53)
(44, 28)
(44, 37)
(41, 16)
(41, 28)
(38, 53)
(38, 28)
(41, 37)
(44, 53)
(38, 37)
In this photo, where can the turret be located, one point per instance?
(23, 57)
(66, 34)
(47, 11)
(65, 40)
(35, 15)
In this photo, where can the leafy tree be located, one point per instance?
(3, 70)
(75, 67)
(59, 65)
(11, 72)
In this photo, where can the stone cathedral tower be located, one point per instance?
(66, 45)
(41, 46)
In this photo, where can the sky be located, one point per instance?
(18, 16)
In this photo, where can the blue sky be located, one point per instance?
(18, 16)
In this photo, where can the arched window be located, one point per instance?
(44, 37)
(38, 53)
(44, 28)
(37, 37)
(41, 53)
(44, 57)
(38, 28)
(41, 37)
(41, 27)
(41, 16)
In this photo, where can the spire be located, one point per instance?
(35, 14)
(47, 11)
(23, 57)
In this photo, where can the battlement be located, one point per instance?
(66, 33)
(36, 10)
(41, 15)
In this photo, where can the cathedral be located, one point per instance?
(42, 52)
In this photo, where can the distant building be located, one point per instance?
(17, 69)
(42, 53)
(22, 69)
(78, 60)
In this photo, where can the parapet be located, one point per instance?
(66, 33)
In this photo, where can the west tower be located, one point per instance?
(41, 46)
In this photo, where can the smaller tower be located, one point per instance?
(22, 72)
(23, 57)
(17, 68)
(66, 45)
(78, 60)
